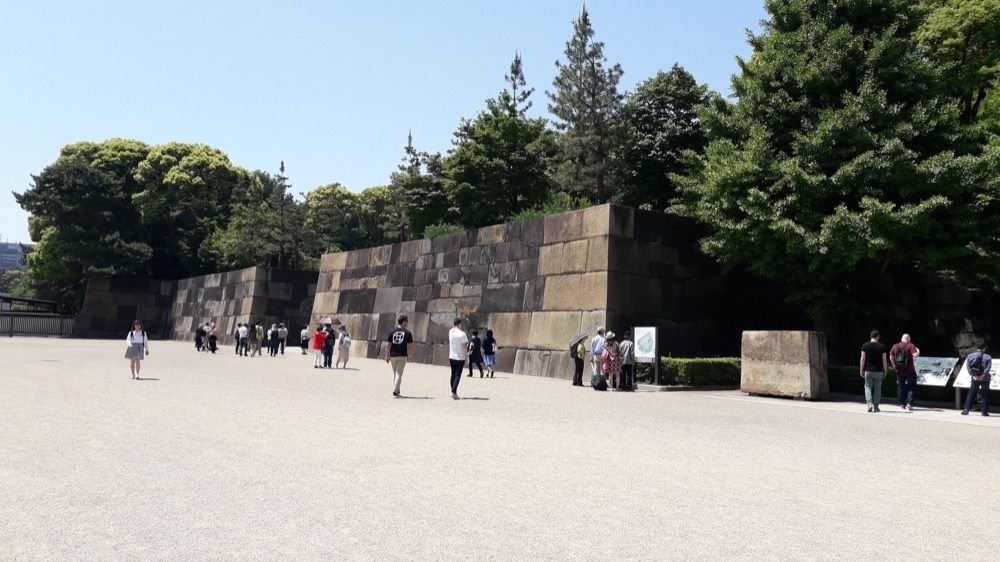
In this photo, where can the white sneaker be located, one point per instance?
(454, 395)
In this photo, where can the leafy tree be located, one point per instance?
(585, 100)
(380, 216)
(839, 164)
(83, 224)
(499, 165)
(419, 184)
(658, 123)
(330, 220)
(265, 228)
(963, 38)
(187, 193)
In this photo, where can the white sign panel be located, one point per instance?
(964, 380)
(934, 371)
(645, 345)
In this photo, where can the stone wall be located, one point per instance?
(538, 283)
(172, 309)
(256, 293)
(111, 305)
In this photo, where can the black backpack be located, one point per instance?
(901, 356)
(977, 364)
(572, 351)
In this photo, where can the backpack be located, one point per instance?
(901, 356)
(572, 351)
(345, 341)
(977, 365)
(599, 382)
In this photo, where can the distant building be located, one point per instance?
(10, 255)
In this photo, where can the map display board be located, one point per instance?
(645, 345)
(934, 371)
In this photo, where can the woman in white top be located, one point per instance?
(138, 348)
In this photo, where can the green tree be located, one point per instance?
(419, 185)
(585, 101)
(82, 221)
(498, 167)
(380, 216)
(330, 220)
(187, 193)
(839, 164)
(963, 38)
(658, 123)
(265, 228)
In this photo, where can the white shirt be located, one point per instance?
(458, 344)
(244, 331)
(304, 334)
(135, 337)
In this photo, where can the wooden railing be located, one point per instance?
(35, 324)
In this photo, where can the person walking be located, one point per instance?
(236, 337)
(596, 351)
(199, 337)
(138, 348)
(903, 356)
(578, 351)
(282, 337)
(343, 347)
(476, 353)
(243, 345)
(273, 338)
(399, 351)
(979, 364)
(213, 338)
(611, 362)
(490, 352)
(458, 349)
(319, 340)
(873, 367)
(254, 339)
(304, 339)
(627, 350)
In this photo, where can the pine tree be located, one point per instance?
(419, 184)
(518, 97)
(585, 100)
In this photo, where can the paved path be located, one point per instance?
(218, 457)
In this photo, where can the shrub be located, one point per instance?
(435, 230)
(558, 203)
(698, 372)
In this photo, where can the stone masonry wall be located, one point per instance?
(172, 309)
(111, 305)
(536, 283)
(252, 294)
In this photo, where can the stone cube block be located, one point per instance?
(784, 363)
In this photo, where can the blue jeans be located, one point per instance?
(873, 387)
(457, 366)
(976, 386)
(907, 387)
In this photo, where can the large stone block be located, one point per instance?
(503, 298)
(388, 299)
(563, 227)
(583, 291)
(595, 221)
(512, 329)
(784, 363)
(567, 257)
(553, 330)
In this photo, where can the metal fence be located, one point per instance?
(35, 324)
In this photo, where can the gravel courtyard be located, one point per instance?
(220, 457)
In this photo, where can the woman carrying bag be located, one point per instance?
(138, 348)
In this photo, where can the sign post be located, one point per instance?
(646, 349)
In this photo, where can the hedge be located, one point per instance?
(698, 372)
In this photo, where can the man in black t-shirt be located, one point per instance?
(400, 348)
(873, 367)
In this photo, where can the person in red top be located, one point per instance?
(318, 338)
(902, 356)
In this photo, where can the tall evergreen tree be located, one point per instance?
(658, 124)
(585, 101)
(839, 164)
(499, 165)
(419, 184)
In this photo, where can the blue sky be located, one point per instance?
(330, 87)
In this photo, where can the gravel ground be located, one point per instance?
(220, 457)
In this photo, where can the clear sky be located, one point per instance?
(330, 87)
